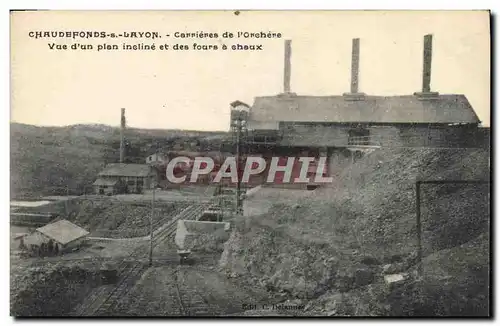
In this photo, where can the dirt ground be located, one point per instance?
(197, 290)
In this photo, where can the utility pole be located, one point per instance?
(221, 204)
(122, 136)
(238, 184)
(152, 216)
(151, 227)
(66, 208)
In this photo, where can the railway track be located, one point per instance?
(184, 297)
(132, 274)
(199, 296)
(192, 301)
(104, 299)
(191, 213)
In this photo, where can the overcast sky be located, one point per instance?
(193, 89)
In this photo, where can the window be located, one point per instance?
(131, 182)
(140, 182)
(359, 136)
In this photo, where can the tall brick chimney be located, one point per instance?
(426, 75)
(354, 94)
(355, 65)
(288, 66)
(426, 70)
(122, 136)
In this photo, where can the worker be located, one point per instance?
(43, 249)
(50, 247)
(56, 249)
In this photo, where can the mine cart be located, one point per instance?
(109, 273)
(184, 256)
(213, 215)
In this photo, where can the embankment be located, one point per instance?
(340, 239)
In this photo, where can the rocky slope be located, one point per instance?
(339, 240)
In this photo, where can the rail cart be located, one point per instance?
(184, 256)
(109, 273)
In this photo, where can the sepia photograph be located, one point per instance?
(245, 163)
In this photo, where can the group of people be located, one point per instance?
(50, 248)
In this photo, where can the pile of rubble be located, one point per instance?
(121, 220)
(51, 290)
(296, 270)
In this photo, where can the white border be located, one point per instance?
(190, 5)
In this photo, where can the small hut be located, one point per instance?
(54, 238)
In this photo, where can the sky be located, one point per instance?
(193, 89)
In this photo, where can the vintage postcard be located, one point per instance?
(250, 163)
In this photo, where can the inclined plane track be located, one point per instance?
(103, 299)
(192, 301)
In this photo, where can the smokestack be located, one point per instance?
(122, 137)
(426, 77)
(426, 71)
(288, 68)
(354, 95)
(355, 65)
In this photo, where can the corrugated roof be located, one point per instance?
(375, 109)
(105, 182)
(63, 231)
(126, 170)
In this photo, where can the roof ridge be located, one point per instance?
(445, 108)
(287, 97)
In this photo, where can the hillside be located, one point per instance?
(337, 239)
(47, 160)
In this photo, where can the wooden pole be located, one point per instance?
(151, 228)
(419, 230)
(238, 184)
(122, 136)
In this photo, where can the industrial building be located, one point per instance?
(125, 178)
(343, 126)
(118, 178)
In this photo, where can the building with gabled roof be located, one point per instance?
(401, 109)
(423, 119)
(126, 169)
(288, 124)
(62, 234)
(125, 177)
